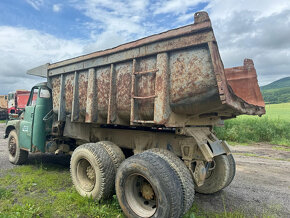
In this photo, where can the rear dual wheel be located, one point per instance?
(93, 169)
(220, 174)
(147, 186)
(183, 174)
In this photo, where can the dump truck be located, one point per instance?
(138, 119)
(3, 107)
(17, 101)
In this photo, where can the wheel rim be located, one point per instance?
(86, 175)
(211, 169)
(12, 146)
(140, 195)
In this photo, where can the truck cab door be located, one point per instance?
(25, 131)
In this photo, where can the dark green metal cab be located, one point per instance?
(33, 129)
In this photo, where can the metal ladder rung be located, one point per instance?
(145, 72)
(144, 97)
(144, 121)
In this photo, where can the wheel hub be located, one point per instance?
(147, 191)
(12, 146)
(140, 195)
(91, 173)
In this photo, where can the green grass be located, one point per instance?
(278, 111)
(274, 127)
(46, 190)
(2, 121)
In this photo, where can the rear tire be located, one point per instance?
(183, 173)
(217, 178)
(93, 171)
(17, 156)
(146, 186)
(114, 151)
(232, 171)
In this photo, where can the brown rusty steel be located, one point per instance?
(133, 92)
(174, 79)
(145, 72)
(243, 81)
(112, 96)
(61, 107)
(91, 107)
(75, 100)
(162, 87)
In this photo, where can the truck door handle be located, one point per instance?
(32, 115)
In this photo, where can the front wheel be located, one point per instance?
(17, 156)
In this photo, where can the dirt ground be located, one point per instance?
(261, 184)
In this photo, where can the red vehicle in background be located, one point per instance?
(17, 101)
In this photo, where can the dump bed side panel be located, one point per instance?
(174, 79)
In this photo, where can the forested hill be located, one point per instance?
(277, 91)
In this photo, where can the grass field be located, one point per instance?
(278, 111)
(46, 190)
(274, 127)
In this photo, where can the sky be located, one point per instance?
(35, 32)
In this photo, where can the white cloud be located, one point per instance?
(56, 7)
(114, 22)
(221, 9)
(35, 3)
(243, 29)
(254, 30)
(22, 49)
(175, 6)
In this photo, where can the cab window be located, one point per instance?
(33, 97)
(44, 93)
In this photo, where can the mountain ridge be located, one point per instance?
(277, 91)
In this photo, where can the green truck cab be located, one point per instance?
(29, 133)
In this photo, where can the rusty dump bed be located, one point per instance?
(243, 82)
(175, 78)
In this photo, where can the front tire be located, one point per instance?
(146, 186)
(17, 156)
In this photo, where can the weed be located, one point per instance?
(271, 128)
(281, 148)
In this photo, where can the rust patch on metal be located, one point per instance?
(55, 83)
(123, 82)
(146, 87)
(243, 81)
(83, 87)
(103, 89)
(69, 83)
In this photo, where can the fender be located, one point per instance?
(11, 125)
